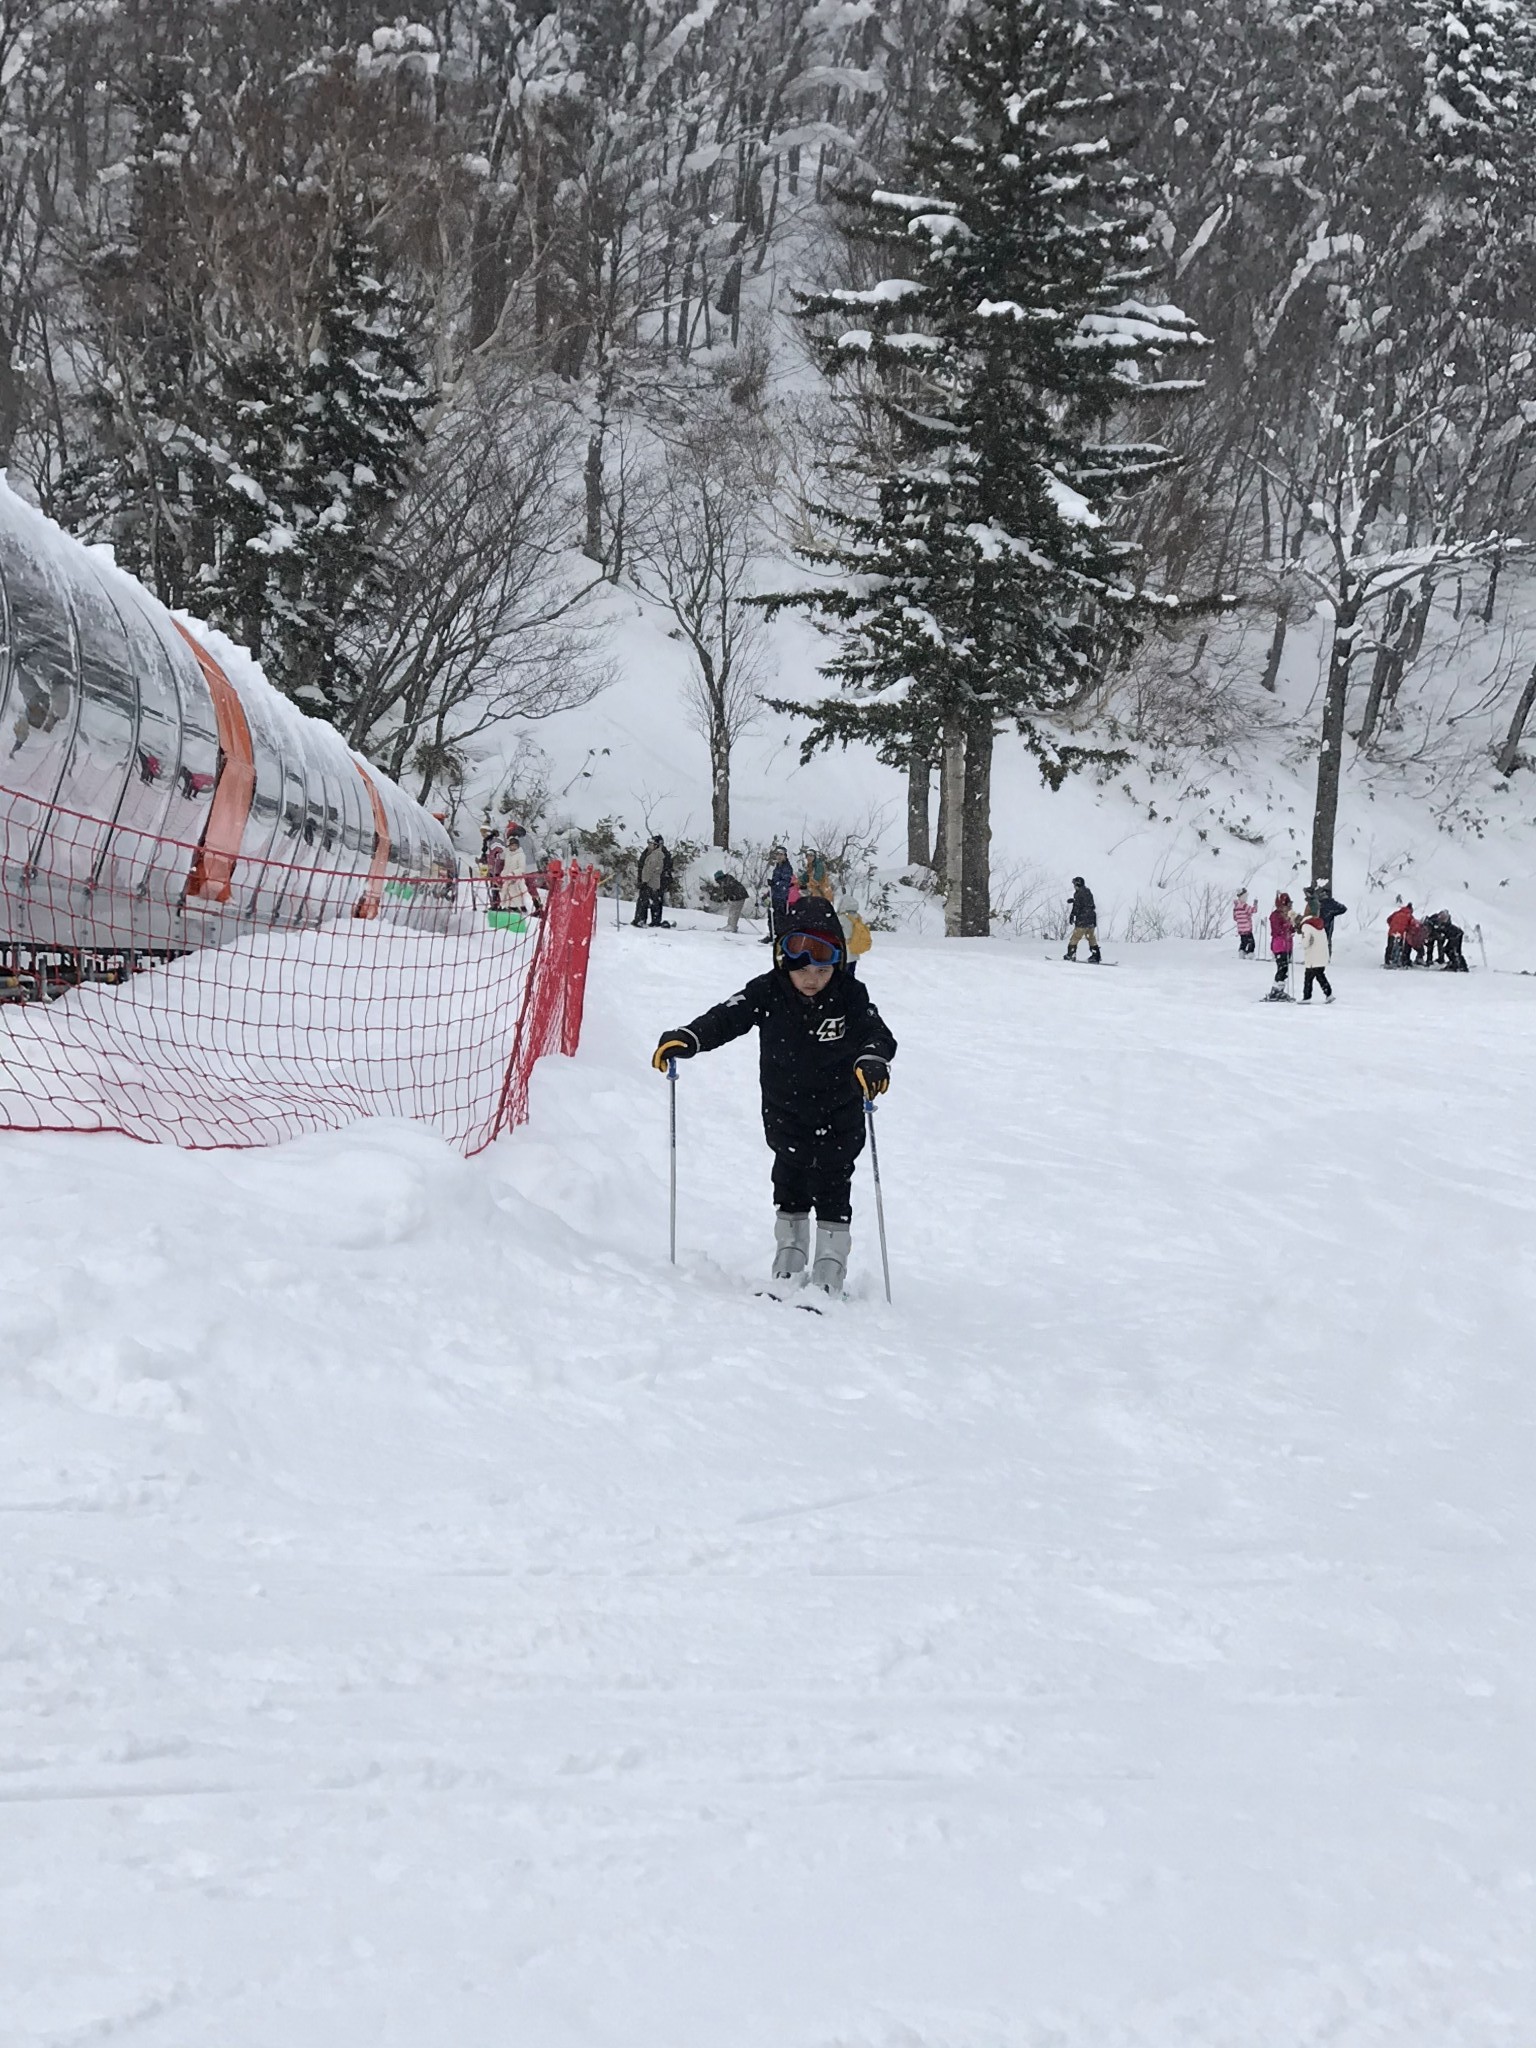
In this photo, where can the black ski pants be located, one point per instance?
(1282, 969)
(647, 901)
(1319, 975)
(822, 1181)
(1245, 942)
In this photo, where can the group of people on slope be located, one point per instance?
(789, 886)
(1312, 925)
(508, 866)
(1414, 941)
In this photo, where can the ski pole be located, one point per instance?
(874, 1160)
(672, 1095)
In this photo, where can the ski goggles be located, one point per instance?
(810, 949)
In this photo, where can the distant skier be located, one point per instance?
(1282, 943)
(520, 869)
(1243, 914)
(860, 937)
(1400, 926)
(816, 878)
(781, 883)
(732, 894)
(823, 1051)
(494, 858)
(1315, 952)
(1085, 922)
(652, 876)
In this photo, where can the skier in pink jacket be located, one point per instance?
(1282, 940)
(1243, 914)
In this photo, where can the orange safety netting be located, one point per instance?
(310, 999)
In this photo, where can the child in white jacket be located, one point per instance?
(1314, 957)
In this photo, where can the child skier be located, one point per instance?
(824, 1052)
(1243, 914)
(1315, 951)
(1282, 941)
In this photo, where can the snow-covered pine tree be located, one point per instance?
(319, 448)
(976, 573)
(255, 408)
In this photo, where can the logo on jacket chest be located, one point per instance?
(830, 1029)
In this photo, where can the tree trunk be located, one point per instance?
(976, 827)
(592, 543)
(941, 829)
(1510, 751)
(1330, 758)
(1271, 673)
(952, 826)
(720, 788)
(919, 782)
(1386, 670)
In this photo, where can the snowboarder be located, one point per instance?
(1085, 922)
(1399, 926)
(1243, 914)
(1315, 954)
(1282, 942)
(780, 882)
(654, 872)
(824, 1051)
(732, 895)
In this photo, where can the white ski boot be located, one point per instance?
(792, 1241)
(833, 1241)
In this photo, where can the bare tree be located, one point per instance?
(693, 551)
(479, 620)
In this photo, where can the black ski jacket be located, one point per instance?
(807, 1051)
(1084, 916)
(730, 890)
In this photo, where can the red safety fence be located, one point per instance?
(311, 998)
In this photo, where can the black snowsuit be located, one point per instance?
(813, 1110)
(1447, 938)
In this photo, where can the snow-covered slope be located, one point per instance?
(430, 1620)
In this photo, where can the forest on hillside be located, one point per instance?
(384, 343)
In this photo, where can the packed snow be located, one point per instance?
(430, 1619)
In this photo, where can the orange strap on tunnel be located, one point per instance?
(373, 894)
(213, 865)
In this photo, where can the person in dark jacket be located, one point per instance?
(1445, 939)
(1329, 908)
(780, 882)
(732, 895)
(1085, 921)
(823, 1052)
(652, 876)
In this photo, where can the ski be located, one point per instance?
(767, 1294)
